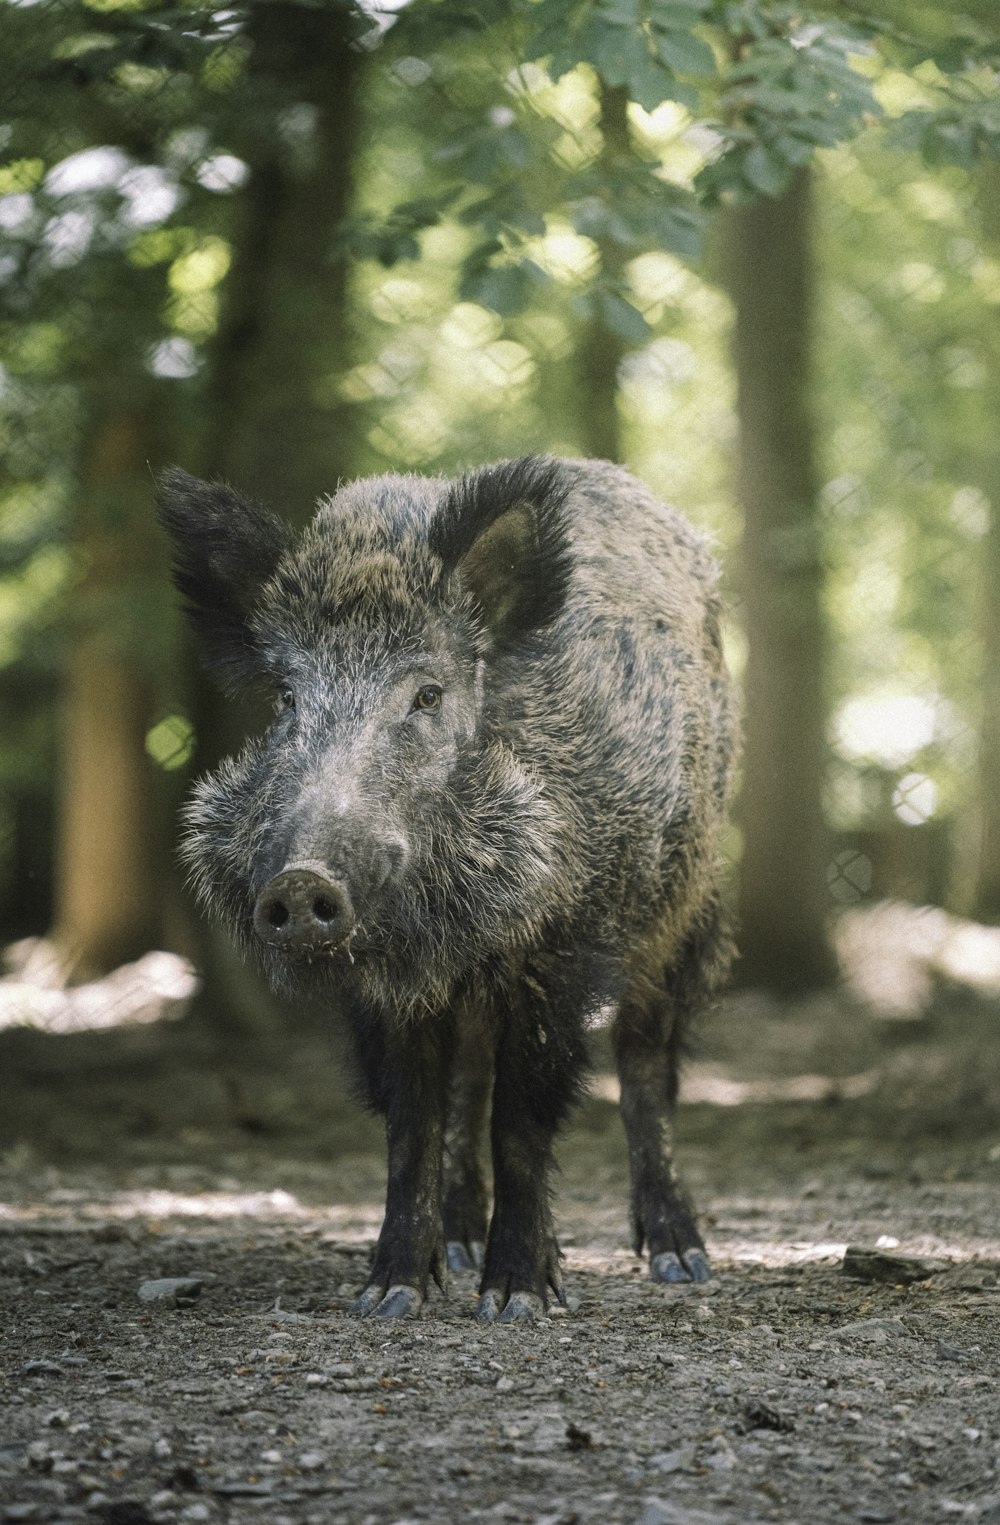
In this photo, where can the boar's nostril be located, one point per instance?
(303, 910)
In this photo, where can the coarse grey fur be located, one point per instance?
(546, 845)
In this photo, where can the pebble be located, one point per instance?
(872, 1331)
(672, 1461)
(659, 1512)
(161, 1288)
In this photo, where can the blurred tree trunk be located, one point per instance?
(276, 428)
(782, 892)
(107, 900)
(600, 351)
(987, 889)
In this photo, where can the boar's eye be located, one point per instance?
(286, 698)
(428, 698)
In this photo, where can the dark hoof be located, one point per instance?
(397, 1302)
(463, 1257)
(692, 1265)
(520, 1308)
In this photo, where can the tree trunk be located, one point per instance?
(600, 351)
(107, 861)
(276, 428)
(782, 891)
(987, 890)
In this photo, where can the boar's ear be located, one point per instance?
(503, 533)
(225, 549)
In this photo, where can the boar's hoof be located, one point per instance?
(521, 1307)
(691, 1265)
(466, 1257)
(303, 910)
(399, 1302)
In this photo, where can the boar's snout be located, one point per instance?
(302, 909)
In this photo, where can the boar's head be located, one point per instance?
(393, 826)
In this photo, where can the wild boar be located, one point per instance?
(488, 808)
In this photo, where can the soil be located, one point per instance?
(783, 1390)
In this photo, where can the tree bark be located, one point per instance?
(987, 888)
(107, 899)
(782, 891)
(599, 350)
(276, 428)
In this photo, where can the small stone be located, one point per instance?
(311, 1461)
(578, 1439)
(171, 1288)
(880, 1265)
(672, 1461)
(871, 1331)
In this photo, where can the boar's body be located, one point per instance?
(490, 805)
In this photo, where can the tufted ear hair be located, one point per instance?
(225, 549)
(502, 532)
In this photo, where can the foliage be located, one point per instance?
(491, 224)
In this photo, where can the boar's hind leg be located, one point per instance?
(645, 1041)
(406, 1072)
(465, 1200)
(648, 1036)
(539, 1066)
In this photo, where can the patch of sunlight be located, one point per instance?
(919, 281)
(469, 326)
(204, 267)
(914, 799)
(171, 741)
(398, 300)
(156, 1202)
(156, 987)
(567, 256)
(886, 728)
(22, 175)
(91, 169)
(702, 1086)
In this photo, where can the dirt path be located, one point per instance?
(784, 1391)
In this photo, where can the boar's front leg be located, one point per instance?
(406, 1070)
(540, 1061)
(465, 1196)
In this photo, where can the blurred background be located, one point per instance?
(750, 251)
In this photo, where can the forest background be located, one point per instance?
(751, 249)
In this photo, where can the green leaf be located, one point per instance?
(766, 172)
(621, 317)
(678, 15)
(684, 52)
(505, 289)
(619, 13)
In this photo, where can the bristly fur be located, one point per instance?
(536, 840)
(481, 498)
(225, 550)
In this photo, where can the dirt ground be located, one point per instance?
(784, 1390)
